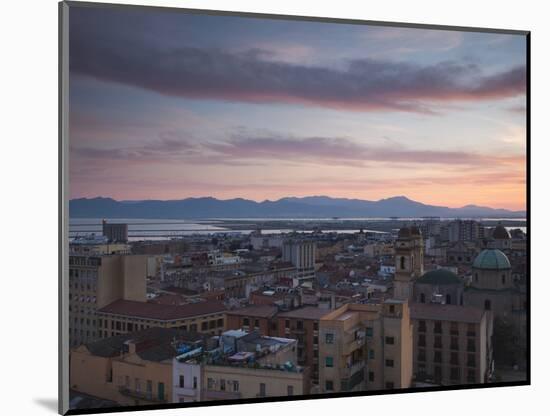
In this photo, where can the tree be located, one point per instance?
(509, 346)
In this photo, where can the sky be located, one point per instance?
(170, 105)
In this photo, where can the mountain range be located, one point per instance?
(290, 207)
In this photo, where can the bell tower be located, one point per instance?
(409, 262)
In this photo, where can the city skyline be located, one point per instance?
(170, 106)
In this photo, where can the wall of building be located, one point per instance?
(249, 380)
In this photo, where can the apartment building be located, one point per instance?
(302, 256)
(452, 344)
(366, 347)
(130, 369)
(241, 365)
(123, 316)
(301, 324)
(96, 281)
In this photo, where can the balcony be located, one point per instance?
(185, 391)
(348, 372)
(351, 344)
(221, 395)
(142, 395)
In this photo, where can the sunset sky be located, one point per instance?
(170, 105)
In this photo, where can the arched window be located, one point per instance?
(503, 279)
(448, 299)
(487, 305)
(402, 263)
(422, 298)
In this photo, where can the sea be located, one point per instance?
(163, 229)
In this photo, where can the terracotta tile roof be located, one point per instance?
(160, 312)
(154, 344)
(437, 312)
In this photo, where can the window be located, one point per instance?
(256, 323)
(220, 322)
(389, 363)
(329, 362)
(437, 327)
(421, 340)
(390, 340)
(222, 384)
(487, 305)
(421, 354)
(454, 328)
(437, 373)
(471, 346)
(471, 362)
(471, 376)
(369, 331)
(329, 385)
(402, 263)
(315, 326)
(127, 382)
(392, 309)
(371, 354)
(448, 299)
(422, 298)
(149, 388)
(210, 383)
(137, 385)
(299, 324)
(454, 343)
(389, 385)
(246, 322)
(455, 373)
(287, 323)
(454, 358)
(421, 326)
(437, 341)
(329, 338)
(476, 277)
(235, 385)
(194, 382)
(262, 389)
(290, 390)
(371, 376)
(182, 381)
(437, 356)
(161, 391)
(503, 279)
(204, 326)
(315, 340)
(471, 332)
(212, 324)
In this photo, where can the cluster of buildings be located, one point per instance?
(281, 315)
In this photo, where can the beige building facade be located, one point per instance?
(96, 281)
(366, 347)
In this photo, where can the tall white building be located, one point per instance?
(302, 256)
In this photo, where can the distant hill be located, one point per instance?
(291, 207)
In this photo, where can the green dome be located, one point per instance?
(440, 277)
(492, 259)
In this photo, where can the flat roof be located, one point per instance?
(438, 312)
(257, 311)
(307, 312)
